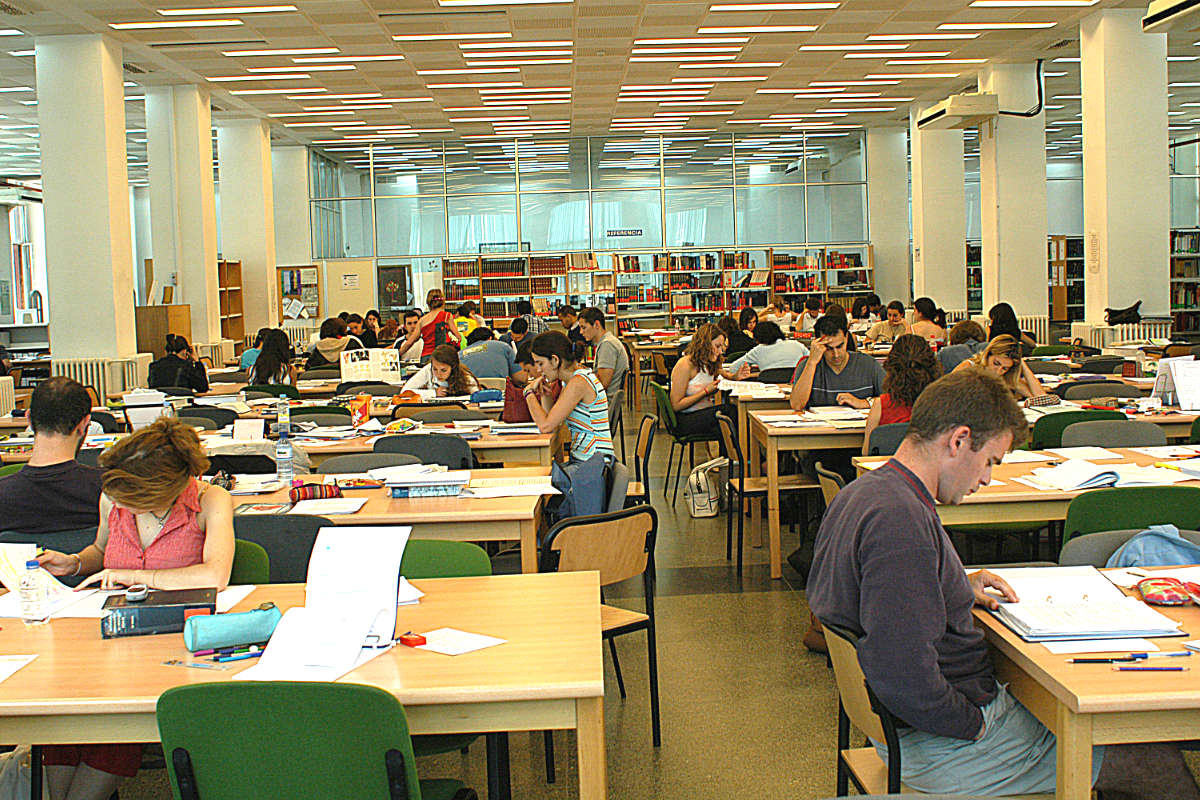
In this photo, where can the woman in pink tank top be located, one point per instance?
(159, 526)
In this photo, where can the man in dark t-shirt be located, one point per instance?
(54, 492)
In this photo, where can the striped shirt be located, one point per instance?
(588, 423)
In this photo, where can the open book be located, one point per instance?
(1075, 474)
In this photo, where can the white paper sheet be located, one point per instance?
(1167, 451)
(1025, 457)
(408, 595)
(89, 604)
(1087, 453)
(329, 505)
(1101, 646)
(249, 430)
(309, 645)
(10, 664)
(452, 642)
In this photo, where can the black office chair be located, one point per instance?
(364, 462)
(221, 416)
(288, 540)
(68, 541)
(885, 439)
(107, 422)
(452, 452)
(777, 375)
(175, 391)
(376, 388)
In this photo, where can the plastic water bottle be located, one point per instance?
(35, 599)
(283, 459)
(283, 417)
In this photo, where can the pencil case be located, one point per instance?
(227, 630)
(313, 491)
(1167, 591)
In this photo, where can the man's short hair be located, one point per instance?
(519, 325)
(58, 405)
(974, 398)
(524, 307)
(896, 305)
(344, 316)
(813, 303)
(480, 334)
(525, 353)
(354, 318)
(568, 311)
(412, 312)
(967, 330)
(333, 328)
(592, 316)
(829, 325)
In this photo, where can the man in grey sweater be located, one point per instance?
(885, 568)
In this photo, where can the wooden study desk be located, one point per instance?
(1090, 704)
(460, 519)
(643, 349)
(488, 448)
(547, 676)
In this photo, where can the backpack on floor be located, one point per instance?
(704, 485)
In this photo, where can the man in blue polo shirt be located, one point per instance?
(832, 375)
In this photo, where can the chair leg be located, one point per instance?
(667, 478)
(35, 772)
(652, 652)
(741, 533)
(678, 472)
(548, 739)
(729, 525)
(612, 647)
(621, 425)
(498, 777)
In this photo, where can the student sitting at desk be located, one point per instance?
(832, 375)
(274, 363)
(445, 374)
(485, 357)
(568, 317)
(246, 360)
(885, 568)
(54, 492)
(1002, 357)
(1002, 320)
(516, 409)
(694, 382)
(334, 340)
(178, 367)
(929, 321)
(772, 352)
(907, 370)
(612, 359)
(966, 339)
(777, 311)
(537, 325)
(739, 342)
(356, 327)
(408, 341)
(582, 404)
(159, 526)
(889, 329)
(517, 334)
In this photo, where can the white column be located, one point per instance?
(289, 184)
(887, 210)
(248, 215)
(939, 216)
(1126, 192)
(1012, 187)
(182, 206)
(89, 255)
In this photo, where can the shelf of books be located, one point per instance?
(497, 283)
(1064, 258)
(1185, 282)
(974, 277)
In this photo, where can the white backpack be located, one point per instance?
(704, 486)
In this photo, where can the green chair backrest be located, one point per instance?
(250, 564)
(665, 412)
(276, 389)
(1195, 437)
(239, 739)
(10, 469)
(1047, 431)
(431, 558)
(302, 410)
(1133, 507)
(1051, 350)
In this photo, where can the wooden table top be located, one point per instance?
(551, 623)
(486, 441)
(381, 509)
(1097, 688)
(763, 417)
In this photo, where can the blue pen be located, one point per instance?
(1150, 669)
(244, 656)
(1176, 654)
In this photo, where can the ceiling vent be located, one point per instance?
(11, 10)
(1061, 43)
(134, 69)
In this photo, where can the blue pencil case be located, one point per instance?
(229, 630)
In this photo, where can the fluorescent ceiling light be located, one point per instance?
(469, 85)
(1067, 97)
(656, 98)
(514, 106)
(197, 12)
(461, 3)
(729, 79)
(758, 29)
(11, 32)
(683, 57)
(854, 83)
(1182, 58)
(404, 100)
(1067, 60)
(994, 26)
(899, 61)
(287, 51)
(313, 68)
(177, 23)
(294, 76)
(524, 90)
(488, 119)
(735, 64)
(356, 96)
(918, 37)
(766, 7)
(1054, 74)
(524, 61)
(535, 101)
(641, 87)
(502, 45)
(694, 40)
(793, 91)
(361, 107)
(326, 124)
(16, 88)
(468, 71)
(906, 75)
(315, 113)
(293, 94)
(913, 54)
(514, 54)
(335, 59)
(662, 51)
(839, 47)
(841, 112)
(864, 99)
(1032, 3)
(424, 37)
(19, 53)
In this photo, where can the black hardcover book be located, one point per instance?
(163, 611)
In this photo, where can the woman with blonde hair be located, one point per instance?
(1002, 357)
(695, 380)
(161, 527)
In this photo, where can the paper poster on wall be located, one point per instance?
(308, 276)
(379, 364)
(349, 280)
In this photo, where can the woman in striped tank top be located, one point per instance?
(581, 404)
(159, 526)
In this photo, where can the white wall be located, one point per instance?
(293, 226)
(139, 215)
(1064, 197)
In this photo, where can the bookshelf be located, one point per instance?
(974, 277)
(229, 289)
(1064, 258)
(1185, 282)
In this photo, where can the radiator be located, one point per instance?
(92, 372)
(135, 370)
(8, 397)
(1038, 325)
(957, 315)
(1105, 335)
(299, 331)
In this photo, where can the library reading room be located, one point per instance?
(624, 399)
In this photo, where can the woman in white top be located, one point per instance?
(694, 382)
(773, 351)
(929, 321)
(812, 313)
(777, 311)
(445, 374)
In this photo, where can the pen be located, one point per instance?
(1178, 654)
(1150, 669)
(244, 656)
(1099, 660)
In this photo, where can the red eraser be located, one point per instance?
(412, 639)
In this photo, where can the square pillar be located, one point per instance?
(248, 215)
(939, 216)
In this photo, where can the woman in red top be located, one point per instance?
(427, 326)
(909, 368)
(158, 526)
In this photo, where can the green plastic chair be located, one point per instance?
(1132, 507)
(1193, 439)
(1052, 350)
(669, 420)
(431, 558)
(11, 468)
(250, 564)
(231, 740)
(274, 389)
(1047, 431)
(303, 410)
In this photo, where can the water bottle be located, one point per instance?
(283, 417)
(283, 460)
(35, 599)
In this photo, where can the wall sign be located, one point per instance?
(349, 280)
(625, 232)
